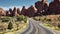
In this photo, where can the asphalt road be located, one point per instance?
(34, 28)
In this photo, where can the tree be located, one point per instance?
(10, 26)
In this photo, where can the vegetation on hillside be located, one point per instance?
(53, 20)
(12, 23)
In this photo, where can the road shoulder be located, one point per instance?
(48, 28)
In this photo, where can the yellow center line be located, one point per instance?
(36, 31)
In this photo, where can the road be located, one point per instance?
(34, 28)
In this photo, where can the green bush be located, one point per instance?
(6, 19)
(20, 18)
(59, 18)
(59, 25)
(48, 19)
(25, 19)
(44, 18)
(10, 25)
(35, 18)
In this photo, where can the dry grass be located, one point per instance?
(21, 25)
(20, 29)
(51, 19)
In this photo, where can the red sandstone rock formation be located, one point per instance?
(18, 11)
(11, 12)
(2, 12)
(24, 11)
(15, 12)
(41, 6)
(31, 11)
(54, 7)
(8, 13)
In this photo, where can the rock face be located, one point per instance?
(24, 11)
(42, 9)
(54, 7)
(8, 13)
(41, 6)
(31, 11)
(18, 11)
(14, 12)
(2, 12)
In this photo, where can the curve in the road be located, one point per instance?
(43, 30)
(34, 27)
(27, 29)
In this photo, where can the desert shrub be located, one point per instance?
(10, 25)
(25, 19)
(39, 19)
(59, 25)
(20, 18)
(59, 18)
(44, 18)
(34, 18)
(48, 20)
(17, 24)
(6, 19)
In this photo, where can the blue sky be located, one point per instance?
(18, 3)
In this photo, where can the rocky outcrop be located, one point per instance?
(42, 7)
(2, 12)
(8, 13)
(14, 12)
(24, 11)
(18, 11)
(54, 7)
(31, 11)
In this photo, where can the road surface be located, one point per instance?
(34, 28)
